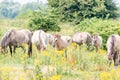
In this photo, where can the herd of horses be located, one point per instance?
(15, 38)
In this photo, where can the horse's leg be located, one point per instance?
(23, 48)
(14, 49)
(115, 59)
(10, 49)
(66, 53)
(30, 49)
(119, 57)
(88, 46)
(43, 48)
(96, 49)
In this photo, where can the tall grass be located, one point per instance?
(80, 64)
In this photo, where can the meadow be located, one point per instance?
(80, 64)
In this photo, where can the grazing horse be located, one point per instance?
(16, 38)
(82, 38)
(113, 48)
(96, 41)
(61, 42)
(41, 39)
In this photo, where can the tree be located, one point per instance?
(77, 10)
(9, 9)
(45, 21)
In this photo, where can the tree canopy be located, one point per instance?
(45, 20)
(75, 10)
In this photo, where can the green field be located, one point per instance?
(51, 64)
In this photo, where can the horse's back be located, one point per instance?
(22, 35)
(35, 37)
(81, 37)
(76, 37)
(116, 39)
(40, 38)
(66, 39)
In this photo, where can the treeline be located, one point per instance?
(78, 10)
(9, 9)
(86, 15)
(73, 11)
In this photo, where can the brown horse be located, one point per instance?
(96, 41)
(113, 48)
(61, 42)
(82, 38)
(16, 38)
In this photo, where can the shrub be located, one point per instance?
(45, 21)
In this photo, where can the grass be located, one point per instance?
(80, 64)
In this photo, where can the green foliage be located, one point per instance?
(77, 10)
(104, 27)
(45, 21)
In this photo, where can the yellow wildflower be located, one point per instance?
(37, 62)
(55, 77)
(46, 53)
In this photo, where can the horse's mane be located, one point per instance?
(5, 38)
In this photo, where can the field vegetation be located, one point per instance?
(59, 17)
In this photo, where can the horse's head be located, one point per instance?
(94, 38)
(94, 41)
(110, 55)
(4, 49)
(51, 40)
(5, 42)
(56, 37)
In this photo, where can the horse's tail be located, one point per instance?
(41, 41)
(89, 38)
(112, 43)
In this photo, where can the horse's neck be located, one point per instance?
(60, 44)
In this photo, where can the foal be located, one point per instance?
(61, 42)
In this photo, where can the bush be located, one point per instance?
(45, 21)
(104, 27)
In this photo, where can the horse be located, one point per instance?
(113, 49)
(61, 42)
(96, 41)
(16, 38)
(41, 39)
(82, 38)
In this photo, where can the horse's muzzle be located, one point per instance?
(110, 57)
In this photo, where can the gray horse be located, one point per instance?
(82, 38)
(96, 41)
(113, 48)
(16, 38)
(41, 39)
